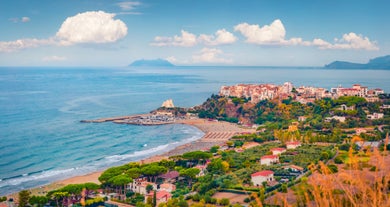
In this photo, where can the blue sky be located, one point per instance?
(196, 32)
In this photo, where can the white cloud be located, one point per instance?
(210, 55)
(187, 39)
(91, 27)
(12, 46)
(87, 27)
(221, 37)
(275, 34)
(25, 19)
(266, 35)
(348, 41)
(54, 58)
(128, 5)
(171, 59)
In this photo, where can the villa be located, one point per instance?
(375, 116)
(269, 159)
(263, 176)
(278, 151)
(161, 196)
(293, 145)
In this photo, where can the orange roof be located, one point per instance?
(269, 157)
(278, 149)
(293, 143)
(160, 194)
(263, 173)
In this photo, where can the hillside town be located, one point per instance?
(302, 94)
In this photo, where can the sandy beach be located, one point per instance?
(216, 133)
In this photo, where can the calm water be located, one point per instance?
(42, 139)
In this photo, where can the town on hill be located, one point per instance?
(264, 145)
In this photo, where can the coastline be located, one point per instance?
(215, 133)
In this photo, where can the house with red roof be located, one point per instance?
(293, 145)
(139, 185)
(170, 177)
(263, 176)
(293, 168)
(269, 159)
(161, 196)
(169, 187)
(278, 150)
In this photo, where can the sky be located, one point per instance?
(192, 32)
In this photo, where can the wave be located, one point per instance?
(33, 179)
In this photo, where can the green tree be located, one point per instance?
(153, 170)
(190, 174)
(149, 188)
(120, 181)
(154, 199)
(24, 197)
(38, 200)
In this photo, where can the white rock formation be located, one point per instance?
(168, 104)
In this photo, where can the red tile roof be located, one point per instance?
(170, 175)
(263, 173)
(160, 194)
(269, 157)
(278, 149)
(293, 143)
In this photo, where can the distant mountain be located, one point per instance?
(376, 63)
(152, 63)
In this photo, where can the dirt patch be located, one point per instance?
(233, 197)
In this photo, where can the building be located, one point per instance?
(344, 107)
(293, 145)
(169, 187)
(338, 118)
(278, 151)
(375, 116)
(269, 159)
(263, 176)
(170, 176)
(293, 168)
(161, 196)
(302, 118)
(139, 185)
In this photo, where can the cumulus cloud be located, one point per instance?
(187, 39)
(12, 46)
(268, 34)
(275, 34)
(91, 27)
(210, 55)
(348, 41)
(87, 27)
(221, 37)
(54, 58)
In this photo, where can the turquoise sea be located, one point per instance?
(42, 140)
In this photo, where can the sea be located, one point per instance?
(42, 139)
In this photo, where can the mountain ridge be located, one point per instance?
(151, 63)
(382, 62)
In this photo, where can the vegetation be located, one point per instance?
(335, 164)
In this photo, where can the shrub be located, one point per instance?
(224, 202)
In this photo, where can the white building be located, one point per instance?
(263, 176)
(292, 145)
(375, 116)
(277, 151)
(269, 159)
(139, 186)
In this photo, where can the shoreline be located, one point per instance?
(215, 133)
